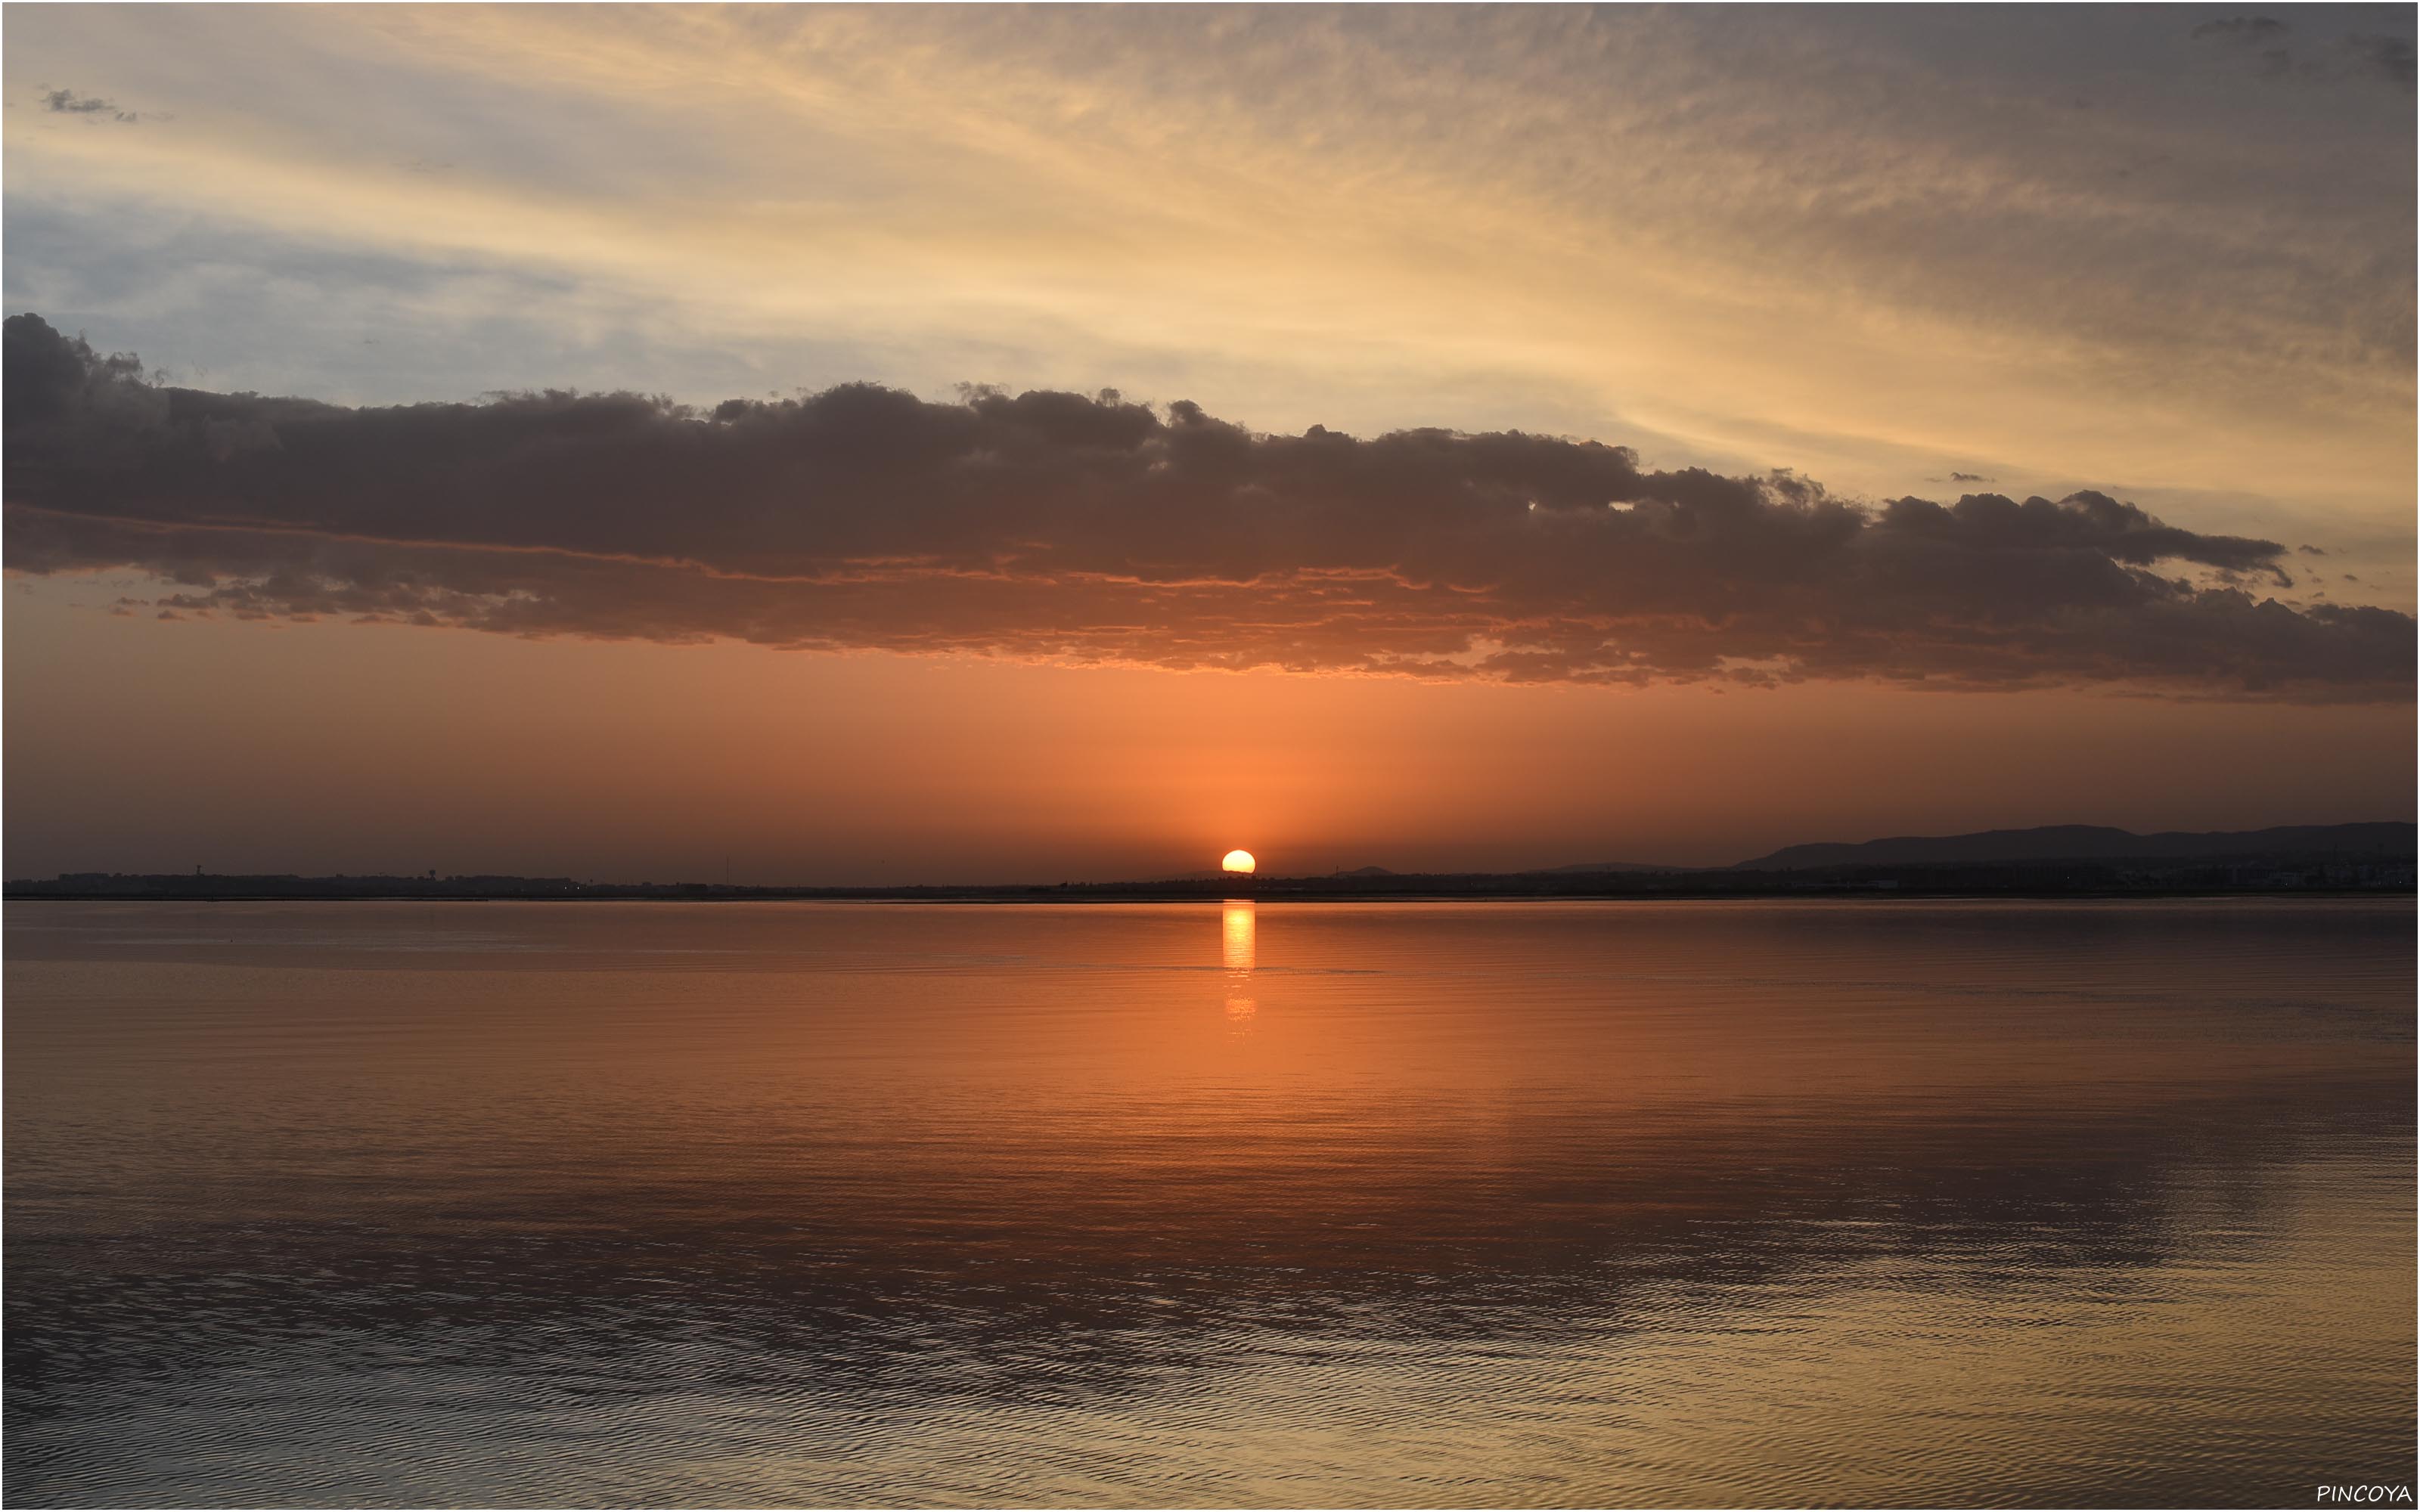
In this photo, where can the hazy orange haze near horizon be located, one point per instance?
(394, 749)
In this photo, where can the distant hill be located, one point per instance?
(1590, 868)
(1364, 872)
(2080, 842)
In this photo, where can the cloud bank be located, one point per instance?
(1048, 525)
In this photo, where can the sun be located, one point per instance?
(1238, 861)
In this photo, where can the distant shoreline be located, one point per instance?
(1809, 892)
(2048, 861)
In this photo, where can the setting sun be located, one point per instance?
(1238, 861)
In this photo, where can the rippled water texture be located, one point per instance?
(1885, 1202)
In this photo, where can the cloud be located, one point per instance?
(68, 103)
(2385, 57)
(1050, 525)
(1374, 212)
(2248, 30)
(2354, 56)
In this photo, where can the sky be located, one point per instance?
(870, 445)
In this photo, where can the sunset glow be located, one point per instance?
(1562, 392)
(626, 627)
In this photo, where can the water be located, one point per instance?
(1459, 1204)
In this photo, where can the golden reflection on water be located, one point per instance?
(1239, 951)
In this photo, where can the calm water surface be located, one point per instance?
(1465, 1204)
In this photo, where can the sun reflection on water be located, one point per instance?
(1238, 940)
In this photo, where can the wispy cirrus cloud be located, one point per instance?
(1058, 526)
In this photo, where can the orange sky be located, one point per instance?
(239, 746)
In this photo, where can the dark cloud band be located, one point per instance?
(1053, 525)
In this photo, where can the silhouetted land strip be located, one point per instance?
(2097, 842)
(2345, 858)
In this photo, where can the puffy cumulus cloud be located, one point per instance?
(1051, 525)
